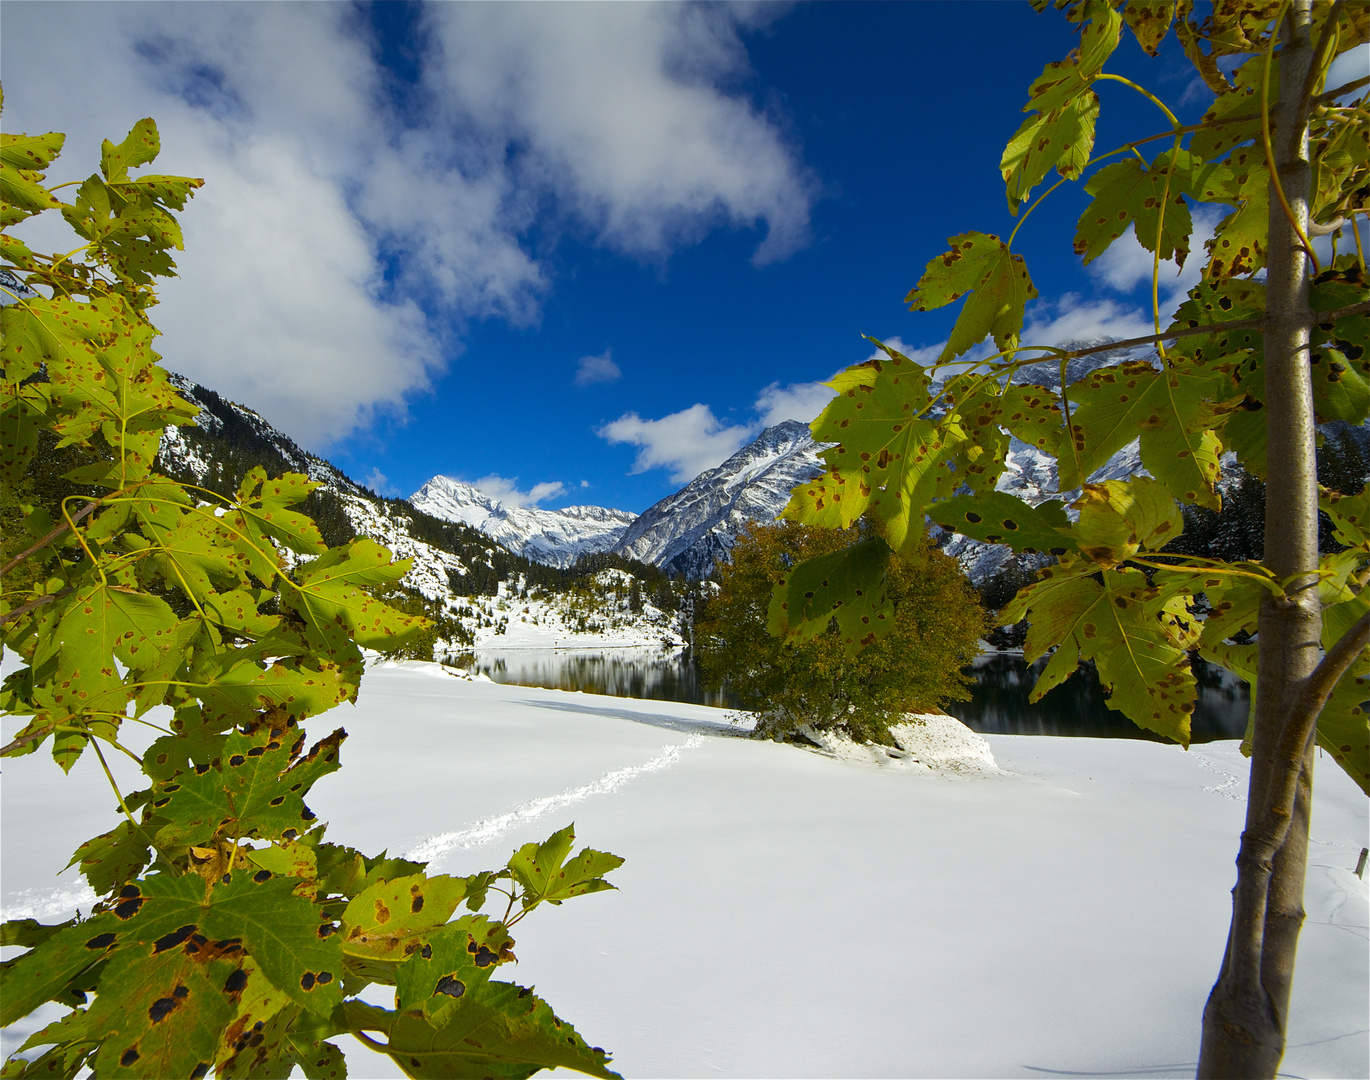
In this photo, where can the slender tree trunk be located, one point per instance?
(1245, 1018)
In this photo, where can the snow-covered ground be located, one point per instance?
(783, 912)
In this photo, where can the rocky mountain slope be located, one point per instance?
(480, 591)
(688, 533)
(552, 537)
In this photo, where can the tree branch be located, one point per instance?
(1319, 317)
(1334, 665)
(1347, 88)
(10, 616)
(79, 515)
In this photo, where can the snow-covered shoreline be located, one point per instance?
(783, 912)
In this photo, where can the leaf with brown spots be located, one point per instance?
(1141, 654)
(338, 610)
(848, 585)
(1058, 141)
(1339, 352)
(1033, 414)
(1239, 244)
(1149, 21)
(159, 1014)
(1117, 519)
(1344, 723)
(1172, 410)
(1000, 518)
(455, 960)
(250, 790)
(274, 926)
(1066, 79)
(384, 922)
(1130, 194)
(1350, 515)
(998, 283)
(498, 1029)
(888, 461)
(256, 1043)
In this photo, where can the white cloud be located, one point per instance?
(798, 401)
(378, 482)
(688, 442)
(619, 111)
(508, 493)
(339, 240)
(1126, 265)
(597, 369)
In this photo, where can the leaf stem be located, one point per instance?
(1174, 122)
(110, 777)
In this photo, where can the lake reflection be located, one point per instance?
(649, 672)
(999, 702)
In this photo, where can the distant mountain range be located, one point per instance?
(553, 537)
(458, 535)
(686, 534)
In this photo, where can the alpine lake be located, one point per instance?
(998, 703)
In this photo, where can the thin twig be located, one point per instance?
(1334, 665)
(58, 531)
(1347, 88)
(32, 605)
(1319, 317)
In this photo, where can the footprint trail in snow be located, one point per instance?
(491, 828)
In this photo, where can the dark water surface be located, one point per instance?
(999, 702)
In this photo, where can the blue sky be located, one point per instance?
(575, 253)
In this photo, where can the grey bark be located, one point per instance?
(1245, 1018)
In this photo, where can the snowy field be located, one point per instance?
(783, 913)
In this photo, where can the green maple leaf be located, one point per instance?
(498, 1030)
(847, 585)
(333, 599)
(1239, 243)
(887, 461)
(544, 873)
(1000, 518)
(253, 789)
(1127, 193)
(1140, 652)
(999, 286)
(1066, 79)
(1173, 411)
(159, 1014)
(141, 145)
(1149, 21)
(1344, 723)
(1119, 518)
(1060, 140)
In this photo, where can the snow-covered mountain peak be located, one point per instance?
(555, 537)
(692, 530)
